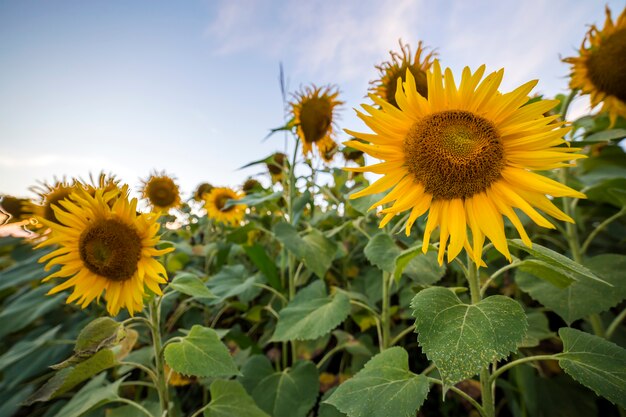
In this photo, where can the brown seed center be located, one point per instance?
(110, 249)
(454, 154)
(606, 65)
(162, 192)
(316, 116)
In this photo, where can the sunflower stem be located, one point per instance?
(385, 317)
(161, 385)
(486, 385)
(291, 258)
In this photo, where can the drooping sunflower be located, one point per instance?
(106, 248)
(466, 155)
(389, 72)
(50, 198)
(161, 191)
(250, 186)
(201, 190)
(314, 115)
(600, 70)
(216, 206)
(276, 166)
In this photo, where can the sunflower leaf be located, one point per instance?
(461, 338)
(316, 250)
(190, 284)
(230, 399)
(383, 388)
(290, 393)
(582, 297)
(382, 251)
(594, 362)
(311, 314)
(557, 260)
(101, 333)
(200, 353)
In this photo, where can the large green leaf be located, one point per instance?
(24, 347)
(234, 280)
(94, 394)
(316, 250)
(26, 308)
(382, 251)
(190, 284)
(68, 377)
(547, 272)
(230, 399)
(266, 265)
(383, 388)
(311, 314)
(290, 393)
(611, 191)
(23, 272)
(596, 363)
(200, 353)
(421, 267)
(574, 269)
(461, 338)
(585, 296)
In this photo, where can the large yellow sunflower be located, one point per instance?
(216, 206)
(396, 68)
(465, 155)
(314, 114)
(106, 248)
(600, 70)
(161, 191)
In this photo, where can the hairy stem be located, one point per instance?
(161, 382)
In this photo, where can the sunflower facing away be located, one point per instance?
(50, 197)
(465, 155)
(104, 245)
(200, 192)
(396, 68)
(600, 70)
(314, 115)
(161, 191)
(215, 204)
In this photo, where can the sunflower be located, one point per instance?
(161, 191)
(276, 165)
(251, 186)
(216, 202)
(105, 247)
(600, 70)
(201, 190)
(314, 115)
(466, 156)
(50, 197)
(16, 209)
(396, 68)
(107, 182)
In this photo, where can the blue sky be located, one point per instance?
(192, 87)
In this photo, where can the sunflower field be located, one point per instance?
(472, 265)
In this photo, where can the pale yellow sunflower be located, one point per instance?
(161, 191)
(389, 72)
(465, 155)
(600, 70)
(215, 204)
(314, 115)
(105, 247)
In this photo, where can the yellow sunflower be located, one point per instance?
(314, 114)
(50, 197)
(202, 189)
(106, 248)
(600, 70)
(465, 155)
(276, 166)
(161, 191)
(396, 68)
(107, 182)
(216, 202)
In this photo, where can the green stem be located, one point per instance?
(461, 394)
(384, 316)
(400, 335)
(597, 325)
(496, 275)
(485, 382)
(330, 354)
(600, 228)
(161, 383)
(510, 365)
(273, 291)
(399, 224)
(144, 368)
(134, 404)
(613, 326)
